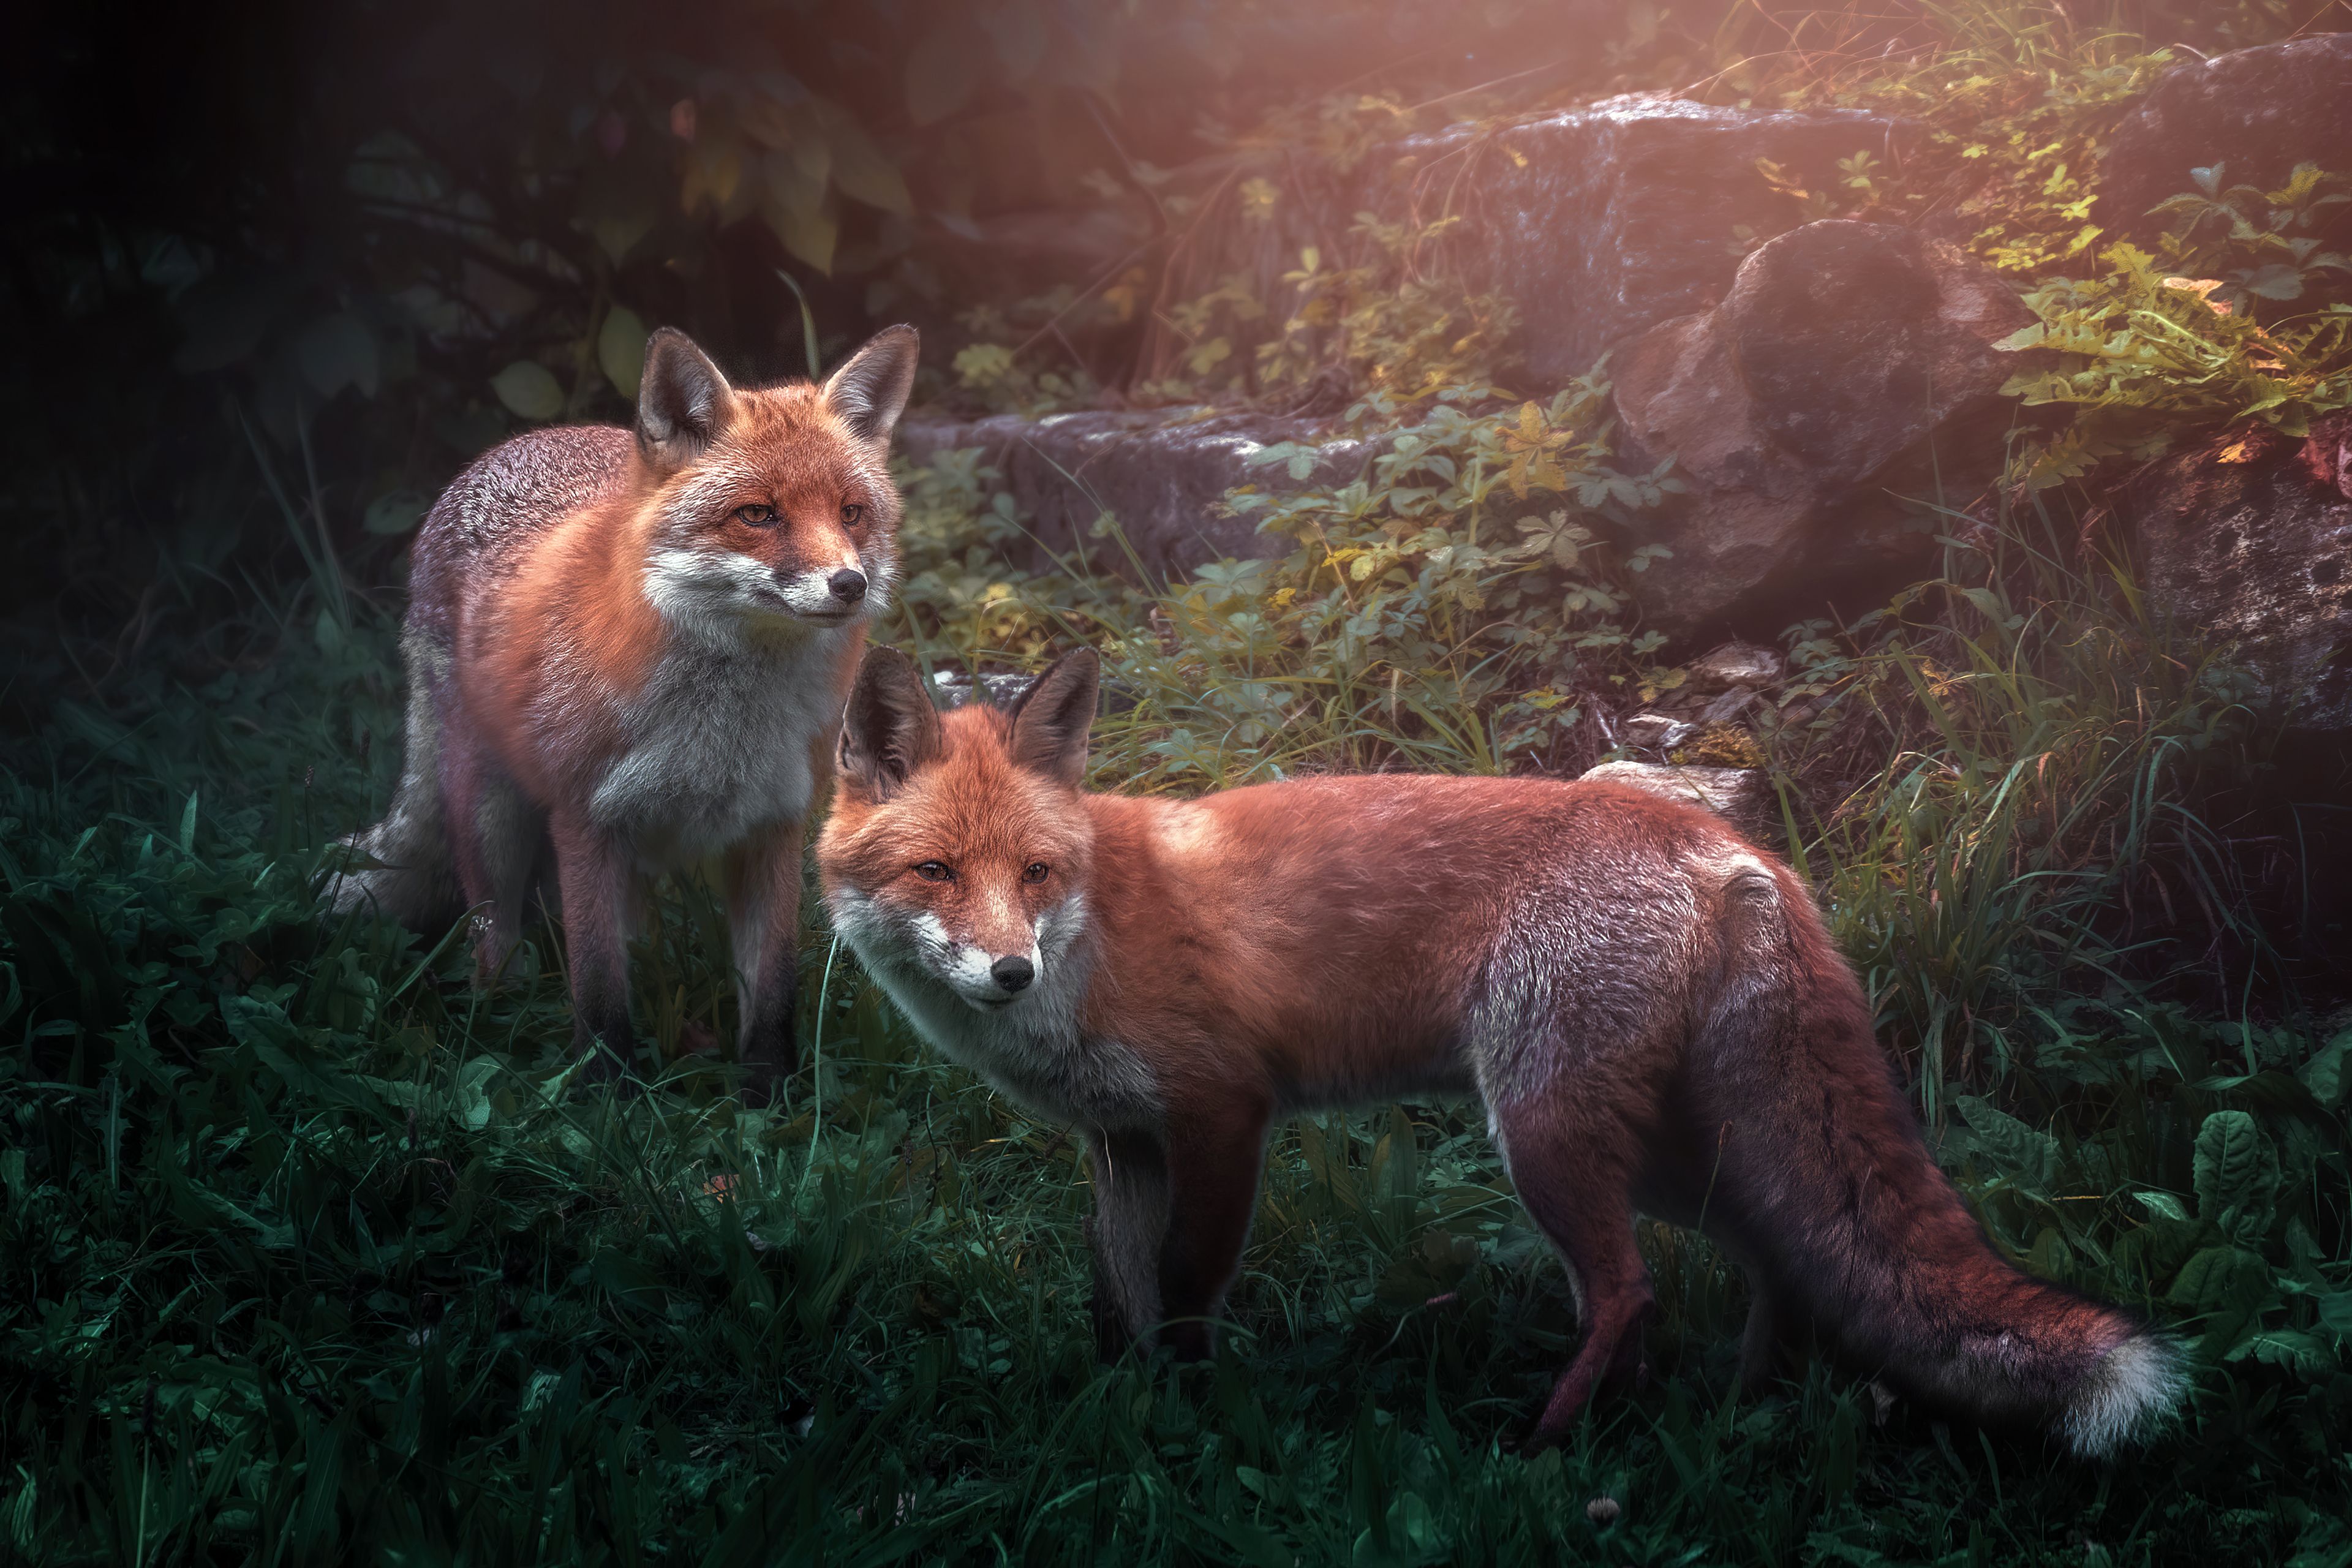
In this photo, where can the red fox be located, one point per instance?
(632, 649)
(1649, 1006)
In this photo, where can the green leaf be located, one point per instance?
(941, 74)
(2237, 1174)
(188, 825)
(2164, 1206)
(2304, 1354)
(809, 234)
(864, 172)
(336, 352)
(396, 511)
(2324, 1073)
(224, 321)
(1018, 31)
(2219, 1277)
(620, 350)
(2276, 281)
(2016, 1150)
(530, 389)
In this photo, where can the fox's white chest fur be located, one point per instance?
(717, 744)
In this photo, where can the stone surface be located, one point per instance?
(2246, 544)
(1734, 664)
(953, 688)
(1650, 731)
(1844, 359)
(1161, 473)
(2258, 112)
(1599, 223)
(1741, 797)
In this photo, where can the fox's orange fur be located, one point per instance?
(627, 652)
(1649, 1006)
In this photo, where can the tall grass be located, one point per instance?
(311, 1252)
(2031, 819)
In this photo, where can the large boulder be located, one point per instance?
(1161, 474)
(2257, 112)
(2245, 544)
(1599, 223)
(1849, 364)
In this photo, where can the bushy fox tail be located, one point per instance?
(1827, 1186)
(402, 867)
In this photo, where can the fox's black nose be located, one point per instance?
(1013, 973)
(848, 584)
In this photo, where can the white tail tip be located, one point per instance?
(2134, 1389)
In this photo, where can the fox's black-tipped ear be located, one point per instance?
(870, 391)
(1052, 720)
(891, 728)
(682, 400)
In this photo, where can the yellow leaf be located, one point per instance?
(621, 349)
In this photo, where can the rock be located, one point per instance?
(1727, 707)
(2258, 112)
(1844, 354)
(1599, 223)
(1162, 474)
(2245, 543)
(1656, 732)
(1736, 663)
(953, 688)
(1741, 797)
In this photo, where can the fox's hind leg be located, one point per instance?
(496, 835)
(1573, 1156)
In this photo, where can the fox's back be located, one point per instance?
(482, 526)
(1348, 924)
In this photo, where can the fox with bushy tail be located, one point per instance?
(1649, 1007)
(627, 652)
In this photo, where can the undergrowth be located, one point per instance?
(313, 1251)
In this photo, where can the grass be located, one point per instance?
(311, 1253)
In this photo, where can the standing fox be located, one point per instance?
(1649, 1008)
(633, 650)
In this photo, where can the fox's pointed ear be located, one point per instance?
(682, 400)
(1052, 720)
(891, 728)
(870, 391)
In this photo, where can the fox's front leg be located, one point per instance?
(598, 885)
(1126, 1230)
(763, 914)
(1214, 1159)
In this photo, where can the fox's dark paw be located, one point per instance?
(1112, 1339)
(603, 1064)
(765, 1085)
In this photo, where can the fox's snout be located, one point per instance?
(822, 592)
(986, 973)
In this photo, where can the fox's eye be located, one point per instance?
(1037, 872)
(758, 514)
(934, 871)
(851, 514)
